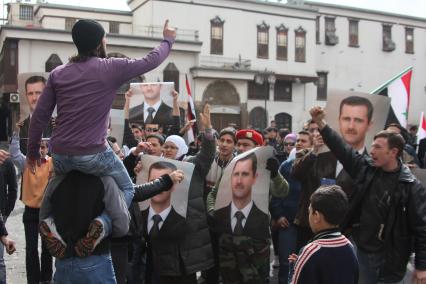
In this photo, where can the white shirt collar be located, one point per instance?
(163, 213)
(245, 210)
(156, 106)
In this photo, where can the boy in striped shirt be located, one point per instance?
(329, 258)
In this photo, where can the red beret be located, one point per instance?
(250, 134)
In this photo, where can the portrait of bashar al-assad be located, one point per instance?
(355, 120)
(151, 103)
(357, 116)
(160, 204)
(242, 216)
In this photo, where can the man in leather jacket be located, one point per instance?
(387, 212)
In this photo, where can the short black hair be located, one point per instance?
(270, 129)
(358, 101)
(395, 140)
(112, 139)
(160, 138)
(303, 132)
(253, 158)
(134, 125)
(331, 202)
(161, 165)
(33, 80)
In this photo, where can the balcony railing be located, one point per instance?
(157, 32)
(225, 62)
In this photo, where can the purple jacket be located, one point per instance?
(83, 93)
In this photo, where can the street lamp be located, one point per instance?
(261, 78)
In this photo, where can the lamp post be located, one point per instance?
(261, 78)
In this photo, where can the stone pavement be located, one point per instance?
(15, 263)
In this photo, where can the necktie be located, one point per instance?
(155, 228)
(238, 230)
(150, 117)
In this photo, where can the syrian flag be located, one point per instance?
(398, 89)
(421, 132)
(192, 132)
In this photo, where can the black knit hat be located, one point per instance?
(87, 35)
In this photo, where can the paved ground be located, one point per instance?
(15, 264)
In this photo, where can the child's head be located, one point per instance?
(44, 148)
(328, 208)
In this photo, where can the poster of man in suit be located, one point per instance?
(357, 116)
(243, 197)
(152, 103)
(173, 201)
(30, 88)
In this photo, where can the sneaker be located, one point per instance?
(85, 246)
(52, 239)
(276, 262)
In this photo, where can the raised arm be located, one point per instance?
(352, 161)
(40, 118)
(163, 183)
(205, 157)
(15, 153)
(129, 68)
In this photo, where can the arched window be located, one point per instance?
(300, 42)
(221, 92)
(283, 120)
(216, 35)
(257, 118)
(171, 74)
(53, 62)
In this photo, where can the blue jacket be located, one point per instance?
(286, 207)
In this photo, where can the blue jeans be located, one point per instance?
(101, 164)
(369, 267)
(287, 240)
(88, 270)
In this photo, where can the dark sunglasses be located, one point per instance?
(288, 144)
(149, 129)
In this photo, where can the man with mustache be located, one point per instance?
(247, 225)
(355, 119)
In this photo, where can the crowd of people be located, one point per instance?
(347, 215)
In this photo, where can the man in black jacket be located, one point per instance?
(387, 213)
(422, 152)
(355, 120)
(8, 195)
(8, 188)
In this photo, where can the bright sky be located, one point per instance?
(407, 7)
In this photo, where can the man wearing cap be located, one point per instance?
(83, 90)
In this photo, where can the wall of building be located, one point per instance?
(240, 30)
(367, 67)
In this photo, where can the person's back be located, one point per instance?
(83, 91)
(329, 258)
(73, 209)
